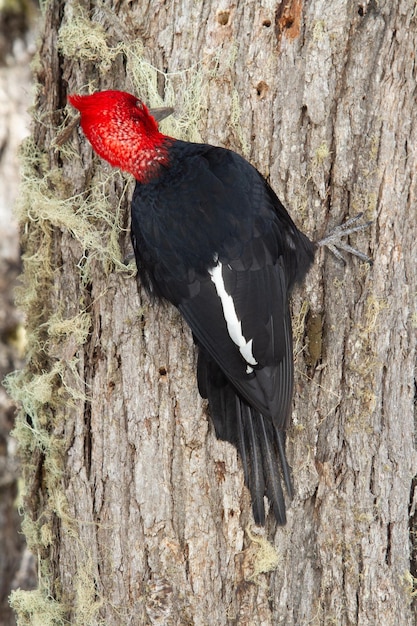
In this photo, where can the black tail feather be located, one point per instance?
(256, 482)
(240, 440)
(260, 445)
(286, 472)
(270, 466)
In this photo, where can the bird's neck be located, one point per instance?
(139, 153)
(148, 161)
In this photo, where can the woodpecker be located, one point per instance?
(211, 236)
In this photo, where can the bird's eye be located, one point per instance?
(137, 111)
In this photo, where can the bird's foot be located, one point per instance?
(334, 242)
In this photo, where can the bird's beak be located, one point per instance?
(161, 113)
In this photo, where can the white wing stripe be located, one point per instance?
(234, 326)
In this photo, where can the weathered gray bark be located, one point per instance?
(137, 512)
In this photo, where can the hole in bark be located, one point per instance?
(266, 23)
(361, 11)
(162, 371)
(261, 89)
(223, 17)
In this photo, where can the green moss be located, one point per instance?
(35, 608)
(321, 154)
(410, 585)
(77, 327)
(319, 30)
(82, 39)
(261, 556)
(87, 603)
(46, 204)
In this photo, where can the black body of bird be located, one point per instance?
(212, 209)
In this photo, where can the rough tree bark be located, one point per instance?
(137, 513)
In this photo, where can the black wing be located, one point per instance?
(211, 237)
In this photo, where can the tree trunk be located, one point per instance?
(138, 515)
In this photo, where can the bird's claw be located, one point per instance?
(333, 240)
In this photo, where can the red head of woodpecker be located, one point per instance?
(212, 237)
(123, 131)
